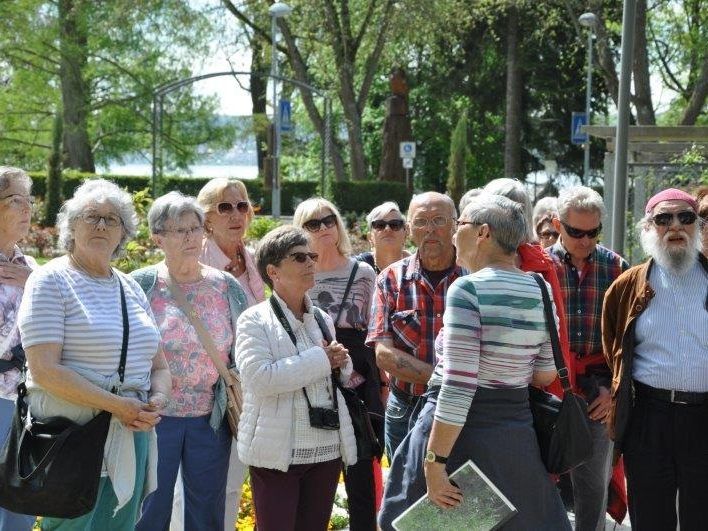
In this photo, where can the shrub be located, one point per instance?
(362, 196)
(260, 226)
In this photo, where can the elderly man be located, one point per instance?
(408, 307)
(655, 336)
(585, 271)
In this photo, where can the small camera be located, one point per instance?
(324, 419)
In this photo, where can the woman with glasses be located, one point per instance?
(387, 236)
(72, 327)
(344, 288)
(542, 221)
(15, 267)
(193, 433)
(295, 432)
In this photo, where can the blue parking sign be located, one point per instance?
(576, 134)
(286, 124)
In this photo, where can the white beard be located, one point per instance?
(677, 260)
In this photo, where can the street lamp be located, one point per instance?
(589, 20)
(277, 10)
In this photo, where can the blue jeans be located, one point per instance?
(399, 420)
(204, 456)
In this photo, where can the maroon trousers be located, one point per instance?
(300, 499)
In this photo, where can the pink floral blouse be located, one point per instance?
(193, 372)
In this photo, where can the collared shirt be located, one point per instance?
(671, 337)
(408, 310)
(583, 292)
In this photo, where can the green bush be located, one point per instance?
(260, 226)
(362, 196)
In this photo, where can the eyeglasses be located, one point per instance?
(226, 208)
(19, 200)
(579, 234)
(313, 225)
(301, 257)
(91, 218)
(548, 234)
(666, 219)
(461, 223)
(184, 232)
(381, 224)
(437, 221)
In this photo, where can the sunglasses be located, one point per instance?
(666, 219)
(380, 224)
(301, 257)
(578, 234)
(225, 208)
(313, 225)
(548, 234)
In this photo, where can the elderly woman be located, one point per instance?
(702, 200)
(344, 288)
(193, 433)
(495, 342)
(542, 221)
(15, 213)
(295, 431)
(72, 328)
(387, 235)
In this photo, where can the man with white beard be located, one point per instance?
(655, 339)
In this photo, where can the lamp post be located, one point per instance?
(277, 10)
(589, 20)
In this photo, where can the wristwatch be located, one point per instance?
(432, 457)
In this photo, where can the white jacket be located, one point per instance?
(272, 371)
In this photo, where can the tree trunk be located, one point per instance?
(642, 86)
(512, 127)
(74, 90)
(698, 98)
(259, 96)
(52, 198)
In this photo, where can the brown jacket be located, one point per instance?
(624, 301)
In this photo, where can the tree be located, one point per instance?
(53, 199)
(514, 92)
(457, 171)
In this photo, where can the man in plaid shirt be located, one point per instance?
(585, 271)
(407, 310)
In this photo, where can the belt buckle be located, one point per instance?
(673, 398)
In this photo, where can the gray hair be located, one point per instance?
(516, 191)
(275, 246)
(172, 206)
(97, 191)
(506, 219)
(431, 196)
(10, 174)
(469, 194)
(546, 209)
(580, 198)
(383, 209)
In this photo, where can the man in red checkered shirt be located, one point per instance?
(408, 308)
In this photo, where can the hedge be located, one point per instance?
(350, 196)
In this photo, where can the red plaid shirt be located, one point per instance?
(408, 310)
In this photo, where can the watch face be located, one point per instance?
(430, 456)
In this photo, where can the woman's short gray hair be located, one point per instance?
(506, 219)
(96, 191)
(580, 198)
(382, 210)
(516, 191)
(10, 174)
(172, 206)
(467, 197)
(546, 207)
(275, 246)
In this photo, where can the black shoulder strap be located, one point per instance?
(347, 290)
(126, 332)
(553, 331)
(322, 324)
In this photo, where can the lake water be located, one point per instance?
(200, 170)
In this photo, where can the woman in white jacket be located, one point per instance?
(295, 431)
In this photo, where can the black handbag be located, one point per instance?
(562, 426)
(52, 467)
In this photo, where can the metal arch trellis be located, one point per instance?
(161, 91)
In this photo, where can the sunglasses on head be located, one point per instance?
(301, 257)
(666, 219)
(224, 208)
(578, 234)
(313, 225)
(381, 224)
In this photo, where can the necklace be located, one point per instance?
(84, 270)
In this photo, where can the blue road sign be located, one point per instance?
(576, 135)
(286, 124)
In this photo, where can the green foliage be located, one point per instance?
(362, 196)
(260, 226)
(140, 251)
(53, 186)
(456, 169)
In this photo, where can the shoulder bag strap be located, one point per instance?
(553, 331)
(126, 331)
(346, 291)
(204, 336)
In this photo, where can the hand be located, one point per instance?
(600, 407)
(136, 415)
(440, 491)
(13, 274)
(158, 401)
(337, 354)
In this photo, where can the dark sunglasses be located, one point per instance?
(578, 234)
(548, 234)
(666, 219)
(224, 208)
(301, 257)
(313, 225)
(380, 224)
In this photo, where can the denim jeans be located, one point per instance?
(399, 420)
